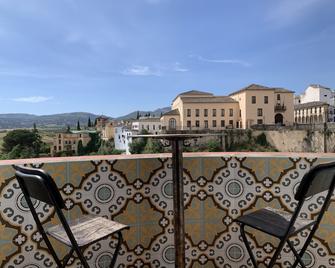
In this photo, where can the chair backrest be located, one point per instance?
(38, 184)
(319, 179)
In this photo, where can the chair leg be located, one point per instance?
(117, 249)
(277, 252)
(307, 242)
(67, 257)
(296, 254)
(81, 257)
(246, 242)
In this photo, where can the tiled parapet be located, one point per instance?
(137, 191)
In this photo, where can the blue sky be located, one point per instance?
(117, 56)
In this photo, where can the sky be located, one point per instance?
(113, 57)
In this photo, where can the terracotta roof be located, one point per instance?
(191, 93)
(255, 87)
(194, 92)
(211, 99)
(310, 104)
(172, 112)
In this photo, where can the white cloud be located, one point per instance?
(33, 99)
(225, 61)
(141, 70)
(178, 68)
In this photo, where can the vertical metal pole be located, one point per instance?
(178, 202)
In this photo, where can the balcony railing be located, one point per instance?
(137, 190)
(280, 108)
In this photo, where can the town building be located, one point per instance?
(197, 110)
(108, 130)
(68, 142)
(100, 122)
(122, 139)
(152, 125)
(315, 97)
(315, 112)
(264, 105)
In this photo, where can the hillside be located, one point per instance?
(156, 113)
(20, 120)
(11, 121)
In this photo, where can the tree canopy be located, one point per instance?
(22, 143)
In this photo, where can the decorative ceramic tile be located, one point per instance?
(138, 192)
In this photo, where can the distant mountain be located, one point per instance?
(156, 113)
(11, 121)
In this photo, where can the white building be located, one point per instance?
(122, 139)
(151, 124)
(318, 94)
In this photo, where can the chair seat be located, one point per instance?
(86, 230)
(274, 221)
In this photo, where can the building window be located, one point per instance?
(222, 112)
(153, 127)
(278, 96)
(59, 141)
(206, 124)
(188, 112)
(231, 122)
(55, 148)
(197, 112)
(240, 112)
(214, 123)
(259, 112)
(59, 148)
(148, 127)
(253, 99)
(189, 124)
(214, 112)
(259, 121)
(160, 127)
(197, 123)
(237, 124)
(222, 123)
(206, 112)
(266, 99)
(142, 126)
(172, 123)
(231, 112)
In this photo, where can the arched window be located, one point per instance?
(172, 123)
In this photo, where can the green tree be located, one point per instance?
(214, 146)
(94, 144)
(81, 148)
(78, 125)
(153, 146)
(89, 123)
(68, 129)
(22, 143)
(137, 145)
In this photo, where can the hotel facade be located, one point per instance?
(252, 105)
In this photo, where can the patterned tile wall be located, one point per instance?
(138, 192)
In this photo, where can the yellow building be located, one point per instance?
(265, 105)
(68, 142)
(197, 110)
